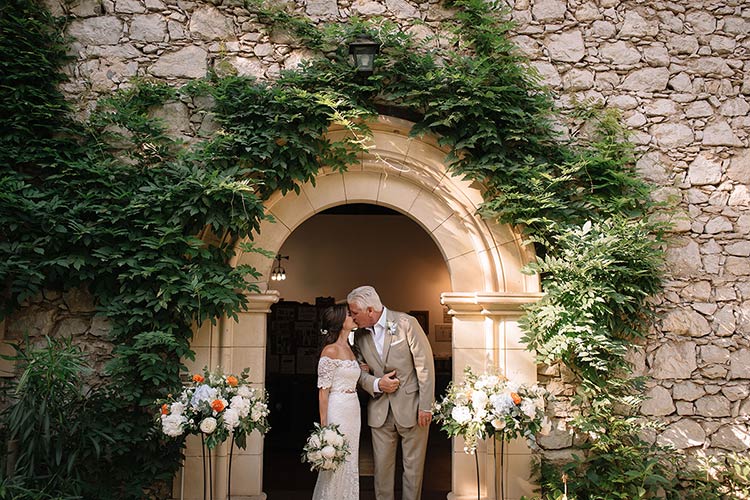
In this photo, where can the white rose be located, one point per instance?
(231, 418)
(528, 407)
(259, 411)
(336, 440)
(172, 425)
(314, 441)
(177, 408)
(498, 424)
(479, 414)
(328, 435)
(244, 391)
(313, 456)
(241, 404)
(328, 452)
(208, 425)
(461, 414)
(478, 399)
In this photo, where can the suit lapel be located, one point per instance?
(387, 338)
(369, 343)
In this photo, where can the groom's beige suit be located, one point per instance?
(405, 349)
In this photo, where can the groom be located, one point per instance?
(402, 386)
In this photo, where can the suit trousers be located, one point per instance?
(413, 449)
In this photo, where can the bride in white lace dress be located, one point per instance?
(338, 372)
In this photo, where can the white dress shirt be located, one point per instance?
(378, 336)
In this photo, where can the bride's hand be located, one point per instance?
(364, 367)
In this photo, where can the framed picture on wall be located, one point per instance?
(423, 318)
(444, 332)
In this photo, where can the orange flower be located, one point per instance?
(217, 405)
(516, 398)
(232, 381)
(198, 378)
(165, 409)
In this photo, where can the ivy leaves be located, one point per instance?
(276, 133)
(150, 227)
(597, 284)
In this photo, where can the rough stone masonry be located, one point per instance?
(678, 71)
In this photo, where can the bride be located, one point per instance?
(338, 372)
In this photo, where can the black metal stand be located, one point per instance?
(502, 467)
(209, 472)
(479, 489)
(229, 478)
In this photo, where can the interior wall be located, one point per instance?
(329, 255)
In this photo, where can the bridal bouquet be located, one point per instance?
(217, 406)
(489, 405)
(326, 448)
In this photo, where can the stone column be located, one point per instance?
(239, 344)
(486, 337)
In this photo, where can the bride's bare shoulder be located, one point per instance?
(330, 351)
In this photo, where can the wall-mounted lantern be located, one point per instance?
(364, 49)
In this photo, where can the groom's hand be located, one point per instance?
(389, 383)
(424, 418)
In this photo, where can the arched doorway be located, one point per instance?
(329, 254)
(487, 289)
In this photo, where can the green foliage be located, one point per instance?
(51, 453)
(736, 475)
(597, 283)
(118, 210)
(34, 126)
(123, 122)
(727, 476)
(275, 132)
(149, 227)
(593, 179)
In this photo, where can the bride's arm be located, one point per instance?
(323, 404)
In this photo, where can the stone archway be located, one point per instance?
(484, 260)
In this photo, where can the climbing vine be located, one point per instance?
(148, 226)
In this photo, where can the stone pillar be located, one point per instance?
(486, 337)
(237, 345)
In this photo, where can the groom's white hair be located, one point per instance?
(365, 296)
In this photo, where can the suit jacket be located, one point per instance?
(406, 350)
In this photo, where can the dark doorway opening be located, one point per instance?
(291, 381)
(330, 253)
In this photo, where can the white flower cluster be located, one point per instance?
(488, 405)
(216, 406)
(326, 448)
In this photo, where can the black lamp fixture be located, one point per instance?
(278, 273)
(364, 49)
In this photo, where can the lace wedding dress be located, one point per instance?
(341, 376)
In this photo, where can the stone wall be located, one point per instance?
(677, 70)
(60, 315)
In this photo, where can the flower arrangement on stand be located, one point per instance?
(215, 406)
(490, 405)
(326, 448)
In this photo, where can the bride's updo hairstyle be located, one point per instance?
(331, 323)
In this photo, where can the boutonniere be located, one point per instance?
(391, 327)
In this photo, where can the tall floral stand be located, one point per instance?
(208, 473)
(220, 411)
